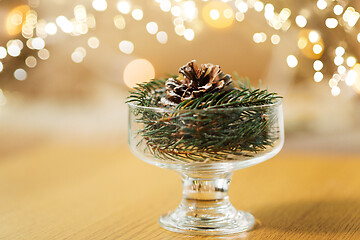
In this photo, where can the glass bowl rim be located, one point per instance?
(277, 103)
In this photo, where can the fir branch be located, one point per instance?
(191, 133)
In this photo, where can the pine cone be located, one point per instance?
(194, 82)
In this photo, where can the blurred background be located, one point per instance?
(66, 66)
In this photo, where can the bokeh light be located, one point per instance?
(99, 5)
(126, 47)
(152, 27)
(189, 34)
(162, 37)
(292, 61)
(44, 54)
(31, 61)
(93, 42)
(124, 7)
(301, 21)
(15, 19)
(132, 75)
(51, 28)
(318, 76)
(137, 14)
(20, 74)
(119, 22)
(3, 52)
(218, 14)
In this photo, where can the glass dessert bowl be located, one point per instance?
(206, 146)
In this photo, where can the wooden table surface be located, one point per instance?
(103, 192)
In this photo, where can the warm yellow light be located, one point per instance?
(138, 71)
(218, 14)
(93, 42)
(311, 43)
(15, 19)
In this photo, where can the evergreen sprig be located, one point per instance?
(214, 127)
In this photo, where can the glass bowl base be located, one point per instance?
(229, 222)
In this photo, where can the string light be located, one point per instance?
(1, 66)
